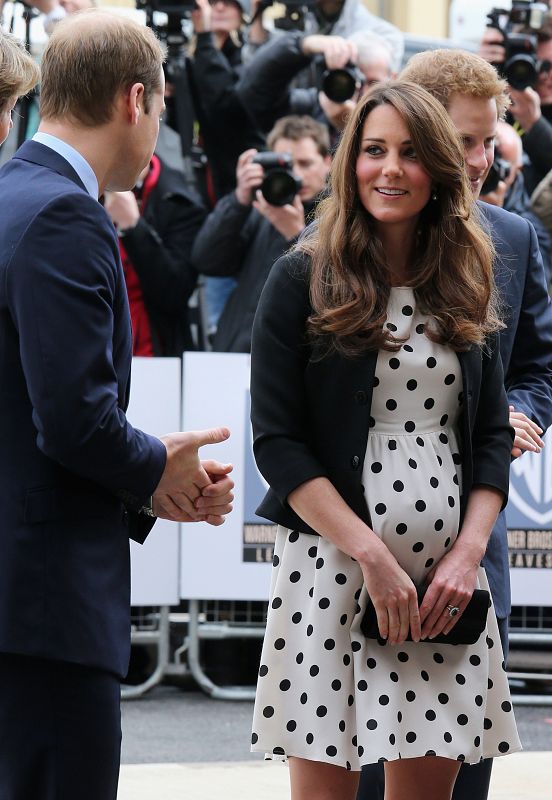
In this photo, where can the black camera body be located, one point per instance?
(521, 65)
(499, 171)
(279, 185)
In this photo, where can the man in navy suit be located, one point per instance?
(77, 478)
(475, 98)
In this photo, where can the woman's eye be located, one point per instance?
(372, 150)
(410, 153)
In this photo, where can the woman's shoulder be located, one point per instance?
(293, 266)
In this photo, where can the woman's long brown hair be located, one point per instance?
(452, 261)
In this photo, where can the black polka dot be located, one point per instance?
(391, 326)
(254, 738)
(447, 737)
(383, 700)
(460, 679)
(394, 363)
(342, 726)
(420, 505)
(478, 700)
(402, 656)
(462, 719)
(371, 421)
(346, 659)
(412, 463)
(456, 459)
(355, 646)
(392, 444)
(336, 685)
(411, 385)
(447, 541)
(431, 362)
(263, 670)
(490, 684)
(438, 524)
(268, 712)
(321, 711)
(490, 642)
(372, 724)
(433, 482)
(324, 603)
(340, 578)
(430, 753)
(360, 751)
(440, 461)
(331, 750)
(401, 528)
(503, 747)
(443, 438)
(297, 617)
(487, 724)
(443, 698)
(411, 737)
(408, 348)
(371, 663)
(362, 686)
(277, 602)
(376, 467)
(429, 563)
(380, 508)
(293, 536)
(461, 757)
(391, 738)
(394, 677)
(391, 405)
(398, 486)
(279, 644)
(410, 696)
(310, 630)
(420, 328)
(506, 706)
(443, 420)
(312, 551)
(450, 379)
(314, 670)
(329, 644)
(309, 738)
(420, 442)
(399, 716)
(291, 725)
(295, 576)
(409, 426)
(311, 591)
(319, 563)
(285, 685)
(275, 561)
(438, 658)
(407, 311)
(451, 501)
(425, 675)
(430, 715)
(477, 741)
(299, 658)
(418, 547)
(429, 403)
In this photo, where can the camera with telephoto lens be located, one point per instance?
(279, 185)
(521, 66)
(340, 85)
(499, 171)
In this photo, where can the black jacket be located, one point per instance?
(517, 201)
(159, 248)
(237, 240)
(537, 143)
(310, 414)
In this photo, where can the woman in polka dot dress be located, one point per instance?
(381, 425)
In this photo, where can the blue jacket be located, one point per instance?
(73, 470)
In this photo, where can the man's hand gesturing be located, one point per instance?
(191, 490)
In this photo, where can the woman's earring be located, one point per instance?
(434, 194)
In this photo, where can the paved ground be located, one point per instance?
(181, 745)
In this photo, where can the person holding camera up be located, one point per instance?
(527, 65)
(252, 226)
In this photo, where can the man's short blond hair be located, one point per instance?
(446, 72)
(18, 72)
(91, 57)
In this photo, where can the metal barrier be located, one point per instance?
(156, 633)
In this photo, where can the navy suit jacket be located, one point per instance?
(73, 470)
(526, 350)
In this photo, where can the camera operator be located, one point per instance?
(157, 223)
(245, 233)
(531, 107)
(505, 187)
(265, 86)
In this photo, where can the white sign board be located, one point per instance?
(232, 561)
(156, 408)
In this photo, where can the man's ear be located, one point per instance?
(135, 102)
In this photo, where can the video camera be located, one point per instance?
(171, 32)
(521, 66)
(279, 185)
(499, 171)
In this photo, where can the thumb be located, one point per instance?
(216, 468)
(210, 436)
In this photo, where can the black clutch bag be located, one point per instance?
(467, 630)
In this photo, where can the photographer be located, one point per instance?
(505, 187)
(265, 88)
(531, 108)
(245, 234)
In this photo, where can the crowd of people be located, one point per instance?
(340, 216)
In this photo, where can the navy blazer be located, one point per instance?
(310, 412)
(68, 456)
(526, 351)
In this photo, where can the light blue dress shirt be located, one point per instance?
(79, 164)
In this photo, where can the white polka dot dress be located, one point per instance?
(325, 692)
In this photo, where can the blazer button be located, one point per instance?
(361, 397)
(355, 462)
